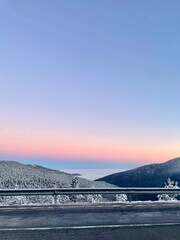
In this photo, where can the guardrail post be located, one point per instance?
(55, 197)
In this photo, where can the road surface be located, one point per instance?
(90, 222)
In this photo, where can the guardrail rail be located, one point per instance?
(69, 191)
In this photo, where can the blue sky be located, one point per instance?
(93, 81)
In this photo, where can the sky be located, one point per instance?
(89, 84)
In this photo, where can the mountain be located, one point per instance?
(153, 175)
(17, 175)
(14, 174)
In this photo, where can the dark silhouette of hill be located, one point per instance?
(153, 175)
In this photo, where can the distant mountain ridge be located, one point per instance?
(153, 175)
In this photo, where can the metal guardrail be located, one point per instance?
(69, 191)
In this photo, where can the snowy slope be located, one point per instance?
(14, 174)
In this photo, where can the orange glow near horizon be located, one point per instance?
(55, 145)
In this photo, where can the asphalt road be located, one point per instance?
(89, 222)
(163, 232)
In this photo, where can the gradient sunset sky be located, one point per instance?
(89, 84)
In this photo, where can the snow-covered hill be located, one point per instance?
(16, 175)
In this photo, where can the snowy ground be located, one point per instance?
(92, 174)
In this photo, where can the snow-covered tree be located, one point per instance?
(121, 197)
(74, 184)
(169, 197)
